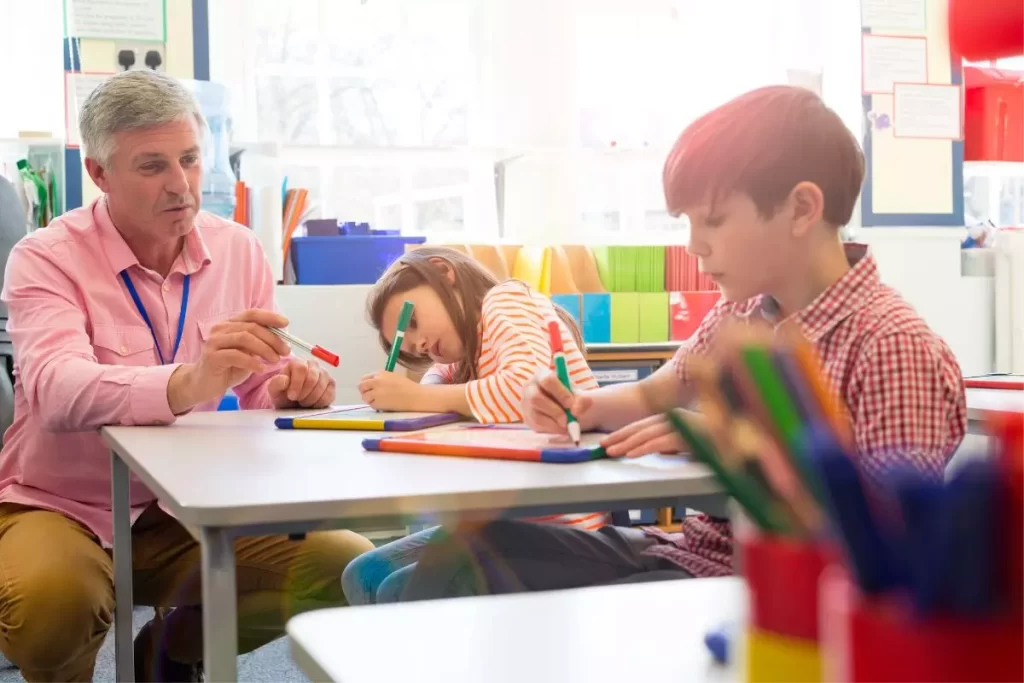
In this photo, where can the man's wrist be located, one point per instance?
(181, 390)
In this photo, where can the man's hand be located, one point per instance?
(236, 349)
(392, 391)
(545, 401)
(302, 384)
(652, 435)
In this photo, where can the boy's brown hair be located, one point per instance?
(463, 299)
(762, 144)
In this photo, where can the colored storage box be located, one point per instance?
(346, 260)
(653, 316)
(688, 310)
(573, 304)
(993, 115)
(597, 318)
(625, 317)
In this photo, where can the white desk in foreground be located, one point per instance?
(230, 474)
(606, 634)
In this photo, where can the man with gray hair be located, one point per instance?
(131, 311)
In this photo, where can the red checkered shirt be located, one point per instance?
(899, 383)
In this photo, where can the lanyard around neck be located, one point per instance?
(145, 316)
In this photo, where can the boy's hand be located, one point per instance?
(545, 401)
(652, 435)
(391, 391)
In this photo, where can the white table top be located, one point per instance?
(607, 634)
(236, 469)
(981, 401)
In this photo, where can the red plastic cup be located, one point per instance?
(782, 576)
(881, 640)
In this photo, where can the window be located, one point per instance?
(648, 69)
(368, 101)
(396, 111)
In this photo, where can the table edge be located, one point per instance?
(311, 513)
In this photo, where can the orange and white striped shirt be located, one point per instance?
(514, 346)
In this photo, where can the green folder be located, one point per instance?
(622, 269)
(653, 316)
(636, 267)
(625, 270)
(658, 266)
(625, 317)
(639, 276)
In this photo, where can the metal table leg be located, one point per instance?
(123, 603)
(220, 605)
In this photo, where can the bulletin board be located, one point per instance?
(913, 108)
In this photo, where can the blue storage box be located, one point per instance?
(572, 304)
(346, 260)
(351, 228)
(597, 318)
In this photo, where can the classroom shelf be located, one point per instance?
(631, 353)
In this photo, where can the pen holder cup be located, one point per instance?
(782, 629)
(881, 639)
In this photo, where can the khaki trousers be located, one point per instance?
(57, 586)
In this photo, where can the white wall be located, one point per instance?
(332, 317)
(922, 263)
(31, 67)
(525, 93)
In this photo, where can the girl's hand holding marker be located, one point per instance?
(386, 390)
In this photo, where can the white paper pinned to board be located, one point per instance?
(143, 20)
(77, 88)
(903, 15)
(893, 59)
(926, 111)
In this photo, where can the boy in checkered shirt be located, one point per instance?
(767, 181)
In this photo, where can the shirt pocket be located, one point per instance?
(208, 322)
(124, 345)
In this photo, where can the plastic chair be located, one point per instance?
(6, 399)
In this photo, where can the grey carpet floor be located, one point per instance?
(270, 664)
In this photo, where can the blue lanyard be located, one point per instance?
(145, 316)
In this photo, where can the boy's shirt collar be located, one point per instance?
(843, 298)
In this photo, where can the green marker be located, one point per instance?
(783, 412)
(562, 370)
(396, 346)
(737, 484)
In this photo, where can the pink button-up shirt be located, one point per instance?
(84, 357)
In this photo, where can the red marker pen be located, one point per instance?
(315, 351)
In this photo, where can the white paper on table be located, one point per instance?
(141, 20)
(926, 111)
(892, 59)
(77, 88)
(903, 15)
